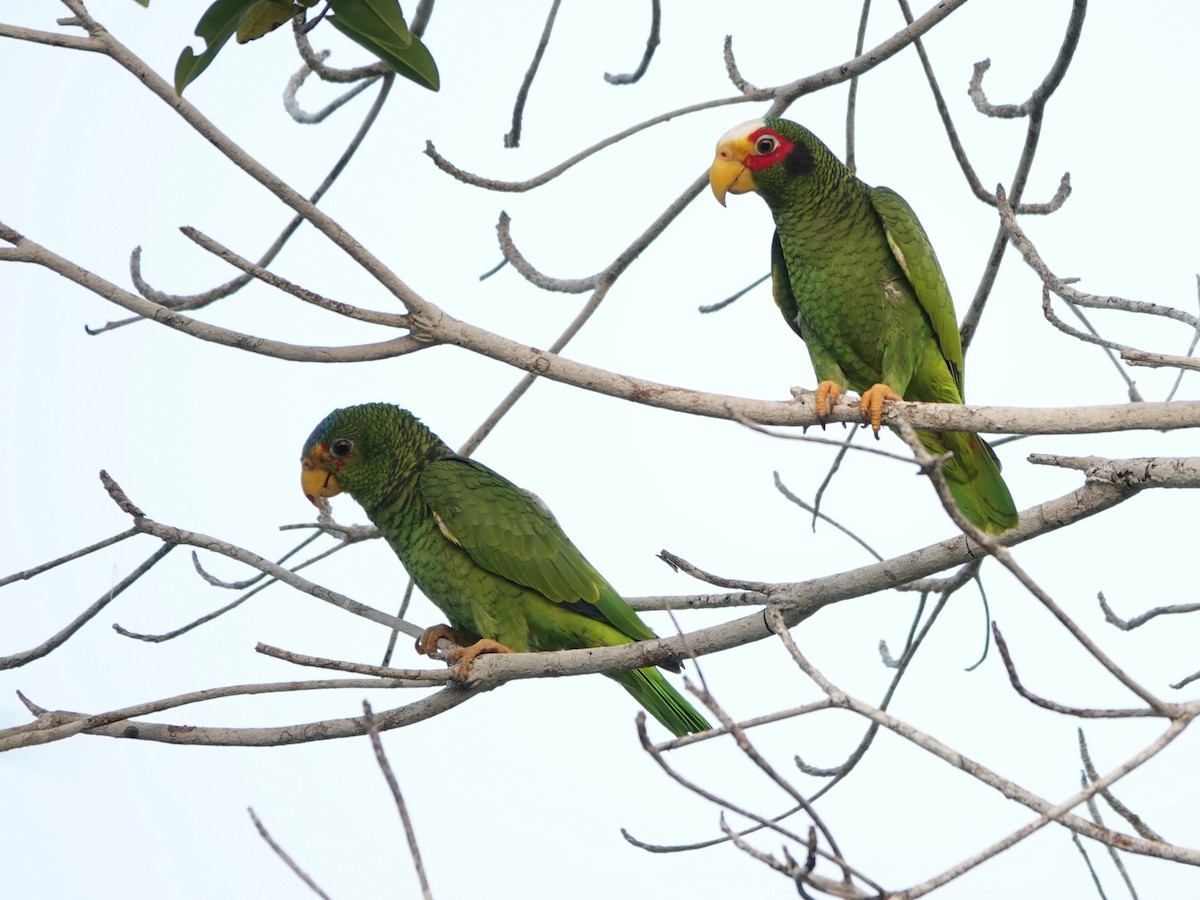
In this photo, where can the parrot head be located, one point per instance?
(774, 157)
(355, 449)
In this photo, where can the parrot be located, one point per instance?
(855, 276)
(490, 555)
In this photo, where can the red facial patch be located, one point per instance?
(768, 148)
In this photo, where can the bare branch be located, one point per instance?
(1079, 712)
(960, 153)
(416, 678)
(401, 806)
(59, 725)
(1158, 360)
(316, 61)
(197, 301)
(513, 138)
(291, 102)
(54, 642)
(679, 564)
(514, 257)
(1047, 812)
(1138, 621)
(1035, 109)
(1117, 806)
(76, 554)
(335, 306)
(217, 613)
(282, 854)
(170, 534)
(783, 96)
(690, 785)
(852, 96)
(817, 514)
(652, 42)
(29, 251)
(735, 75)
(50, 38)
(721, 304)
(933, 468)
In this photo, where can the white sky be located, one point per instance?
(520, 793)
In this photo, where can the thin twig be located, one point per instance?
(417, 678)
(1033, 698)
(1137, 621)
(282, 854)
(513, 138)
(652, 42)
(721, 304)
(55, 641)
(1035, 108)
(76, 554)
(817, 514)
(1118, 807)
(197, 301)
(409, 833)
(852, 96)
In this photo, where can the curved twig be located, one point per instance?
(316, 61)
(197, 301)
(291, 102)
(652, 42)
(513, 138)
(852, 96)
(1035, 107)
(1079, 712)
(55, 641)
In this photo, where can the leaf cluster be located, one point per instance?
(376, 25)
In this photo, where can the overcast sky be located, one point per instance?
(521, 792)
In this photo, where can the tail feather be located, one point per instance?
(657, 697)
(973, 476)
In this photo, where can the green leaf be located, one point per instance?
(382, 20)
(379, 26)
(263, 18)
(216, 26)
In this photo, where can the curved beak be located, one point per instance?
(728, 174)
(315, 480)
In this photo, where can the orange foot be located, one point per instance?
(827, 395)
(464, 656)
(427, 643)
(872, 403)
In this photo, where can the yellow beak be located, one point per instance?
(315, 480)
(729, 174)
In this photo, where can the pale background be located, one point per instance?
(521, 793)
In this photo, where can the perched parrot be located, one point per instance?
(855, 276)
(490, 555)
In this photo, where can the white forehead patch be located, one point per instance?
(740, 131)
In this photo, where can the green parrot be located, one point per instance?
(855, 276)
(490, 555)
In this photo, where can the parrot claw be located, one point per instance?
(828, 393)
(872, 401)
(464, 656)
(427, 643)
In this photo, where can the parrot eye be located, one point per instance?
(766, 145)
(340, 448)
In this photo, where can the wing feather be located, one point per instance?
(781, 287)
(913, 251)
(511, 532)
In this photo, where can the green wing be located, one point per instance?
(510, 532)
(910, 245)
(781, 287)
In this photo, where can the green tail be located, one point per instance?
(973, 476)
(662, 701)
